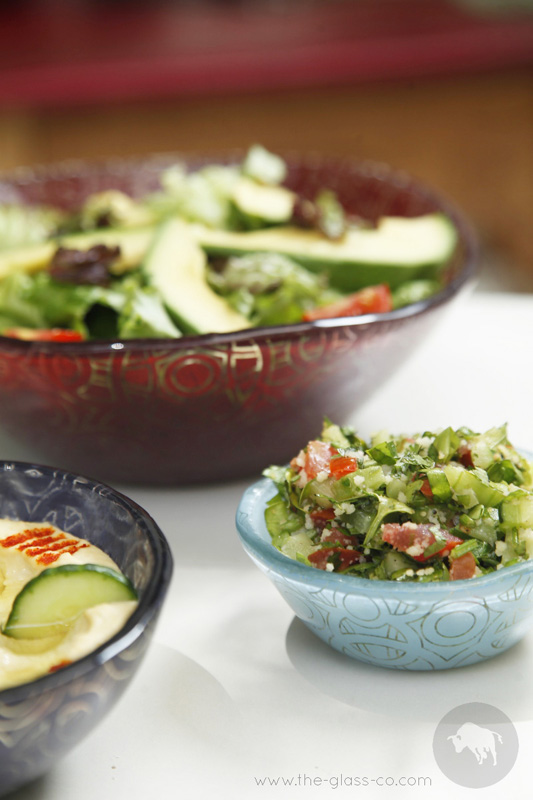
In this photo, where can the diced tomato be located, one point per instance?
(321, 516)
(451, 542)
(345, 557)
(426, 488)
(417, 538)
(44, 334)
(338, 537)
(463, 567)
(342, 465)
(371, 300)
(317, 458)
(465, 456)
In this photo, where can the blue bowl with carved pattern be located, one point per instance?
(396, 625)
(42, 720)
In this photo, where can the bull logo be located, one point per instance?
(480, 741)
(475, 731)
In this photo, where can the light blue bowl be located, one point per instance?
(399, 626)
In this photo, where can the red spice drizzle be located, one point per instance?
(46, 545)
(60, 665)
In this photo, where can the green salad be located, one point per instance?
(439, 506)
(220, 249)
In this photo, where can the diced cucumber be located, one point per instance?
(344, 489)
(395, 561)
(484, 446)
(439, 485)
(445, 445)
(374, 478)
(396, 487)
(281, 521)
(384, 453)
(516, 511)
(48, 603)
(472, 487)
(298, 544)
(350, 486)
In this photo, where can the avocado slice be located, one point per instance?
(176, 266)
(260, 204)
(133, 243)
(399, 249)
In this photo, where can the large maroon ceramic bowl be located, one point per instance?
(211, 407)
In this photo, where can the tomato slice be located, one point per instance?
(44, 334)
(317, 458)
(451, 542)
(338, 538)
(341, 466)
(465, 456)
(409, 535)
(371, 300)
(322, 515)
(463, 567)
(345, 557)
(426, 488)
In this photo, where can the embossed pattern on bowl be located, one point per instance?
(399, 626)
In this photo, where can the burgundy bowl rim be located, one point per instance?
(256, 335)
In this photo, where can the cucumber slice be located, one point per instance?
(472, 487)
(516, 510)
(49, 602)
(176, 267)
(397, 250)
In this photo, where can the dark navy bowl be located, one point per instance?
(42, 720)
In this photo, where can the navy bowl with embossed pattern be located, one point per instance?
(402, 626)
(42, 720)
(216, 406)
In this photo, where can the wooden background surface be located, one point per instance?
(465, 126)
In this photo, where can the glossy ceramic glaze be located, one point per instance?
(211, 407)
(400, 626)
(42, 720)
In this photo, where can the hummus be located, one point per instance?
(26, 549)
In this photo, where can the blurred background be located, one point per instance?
(440, 88)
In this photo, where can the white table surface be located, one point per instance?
(235, 689)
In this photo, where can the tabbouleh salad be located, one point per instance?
(438, 506)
